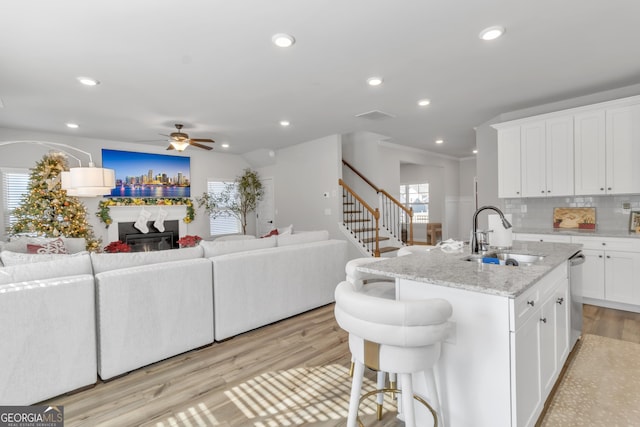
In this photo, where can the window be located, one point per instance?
(416, 196)
(15, 184)
(224, 223)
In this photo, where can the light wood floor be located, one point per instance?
(290, 373)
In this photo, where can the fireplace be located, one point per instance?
(154, 240)
(174, 222)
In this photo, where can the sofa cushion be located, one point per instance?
(303, 237)
(235, 237)
(60, 266)
(216, 248)
(108, 262)
(19, 243)
(10, 258)
(53, 247)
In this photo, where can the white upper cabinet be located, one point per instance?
(509, 162)
(546, 157)
(587, 150)
(533, 159)
(590, 149)
(623, 150)
(559, 158)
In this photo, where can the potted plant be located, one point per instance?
(238, 199)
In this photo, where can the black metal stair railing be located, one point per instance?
(361, 220)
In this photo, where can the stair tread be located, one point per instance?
(356, 220)
(373, 239)
(388, 249)
(363, 230)
(352, 212)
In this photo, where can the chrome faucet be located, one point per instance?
(474, 236)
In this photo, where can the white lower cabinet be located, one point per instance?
(557, 238)
(504, 355)
(611, 273)
(540, 345)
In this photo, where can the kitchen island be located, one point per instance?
(511, 330)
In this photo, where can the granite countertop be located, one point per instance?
(579, 232)
(449, 269)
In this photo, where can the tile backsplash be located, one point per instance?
(611, 212)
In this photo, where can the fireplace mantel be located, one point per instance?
(131, 213)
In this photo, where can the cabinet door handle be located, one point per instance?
(531, 303)
(599, 256)
(609, 188)
(543, 320)
(517, 192)
(609, 256)
(604, 243)
(560, 300)
(542, 191)
(601, 188)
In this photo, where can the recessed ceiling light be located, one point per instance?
(374, 81)
(72, 125)
(283, 40)
(492, 33)
(439, 141)
(475, 151)
(224, 145)
(88, 81)
(424, 102)
(284, 123)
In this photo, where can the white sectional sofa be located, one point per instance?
(47, 329)
(257, 282)
(66, 318)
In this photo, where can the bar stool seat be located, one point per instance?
(393, 336)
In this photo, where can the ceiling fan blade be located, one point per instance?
(195, 144)
(170, 147)
(202, 140)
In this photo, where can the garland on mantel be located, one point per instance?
(104, 207)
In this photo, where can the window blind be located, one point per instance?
(15, 184)
(223, 224)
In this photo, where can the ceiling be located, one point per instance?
(210, 64)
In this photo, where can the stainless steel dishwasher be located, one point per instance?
(575, 288)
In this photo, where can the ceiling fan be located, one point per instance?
(180, 140)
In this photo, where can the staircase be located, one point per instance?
(378, 231)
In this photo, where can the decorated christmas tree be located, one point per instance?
(46, 210)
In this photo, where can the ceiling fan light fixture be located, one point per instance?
(180, 145)
(283, 40)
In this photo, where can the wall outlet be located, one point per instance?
(626, 205)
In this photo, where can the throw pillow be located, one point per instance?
(53, 247)
(273, 232)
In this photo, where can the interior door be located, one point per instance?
(265, 213)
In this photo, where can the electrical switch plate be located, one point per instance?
(626, 205)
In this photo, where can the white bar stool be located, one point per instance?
(404, 337)
(376, 286)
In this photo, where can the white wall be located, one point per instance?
(204, 165)
(466, 203)
(302, 174)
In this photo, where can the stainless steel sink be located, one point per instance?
(507, 258)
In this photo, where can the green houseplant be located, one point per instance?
(238, 198)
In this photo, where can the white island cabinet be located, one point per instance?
(511, 331)
(504, 357)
